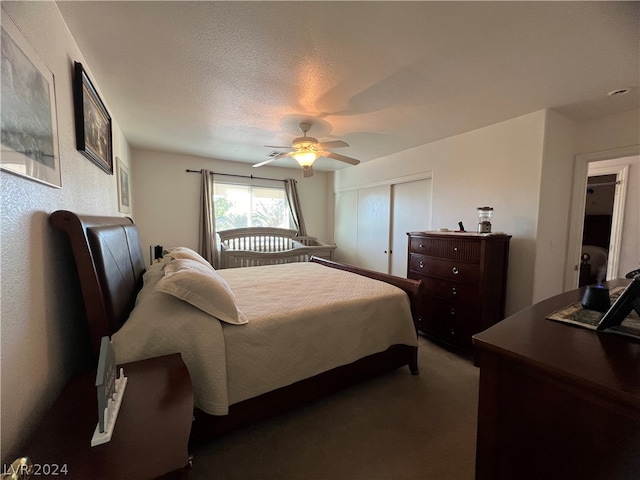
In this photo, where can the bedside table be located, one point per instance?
(151, 434)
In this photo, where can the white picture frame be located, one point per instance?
(29, 126)
(124, 187)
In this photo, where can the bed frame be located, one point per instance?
(110, 265)
(255, 246)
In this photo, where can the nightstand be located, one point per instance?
(151, 435)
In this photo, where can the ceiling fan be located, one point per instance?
(306, 150)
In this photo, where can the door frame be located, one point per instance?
(617, 218)
(576, 221)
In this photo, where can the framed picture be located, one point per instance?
(124, 191)
(29, 131)
(93, 122)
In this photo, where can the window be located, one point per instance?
(250, 206)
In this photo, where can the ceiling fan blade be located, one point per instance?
(276, 157)
(333, 144)
(264, 163)
(279, 147)
(342, 158)
(307, 171)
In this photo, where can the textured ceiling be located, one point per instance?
(223, 79)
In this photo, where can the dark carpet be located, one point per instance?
(396, 426)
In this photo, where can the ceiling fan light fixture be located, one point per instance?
(305, 157)
(305, 150)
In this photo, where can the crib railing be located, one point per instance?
(255, 246)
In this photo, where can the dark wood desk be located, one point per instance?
(557, 401)
(151, 435)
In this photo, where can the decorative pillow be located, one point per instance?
(185, 252)
(201, 286)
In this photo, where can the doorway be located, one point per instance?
(596, 232)
(613, 162)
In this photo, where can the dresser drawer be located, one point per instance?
(459, 272)
(454, 249)
(466, 293)
(452, 323)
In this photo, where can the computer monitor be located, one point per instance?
(629, 299)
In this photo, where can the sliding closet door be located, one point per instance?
(345, 226)
(373, 228)
(371, 223)
(411, 212)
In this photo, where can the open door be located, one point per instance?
(596, 233)
(591, 165)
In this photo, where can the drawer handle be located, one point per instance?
(421, 264)
(421, 246)
(454, 291)
(455, 249)
(452, 331)
(455, 270)
(452, 311)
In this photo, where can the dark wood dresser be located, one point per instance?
(464, 277)
(557, 402)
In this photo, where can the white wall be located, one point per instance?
(554, 206)
(167, 197)
(608, 133)
(43, 334)
(499, 165)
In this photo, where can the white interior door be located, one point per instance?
(411, 207)
(373, 228)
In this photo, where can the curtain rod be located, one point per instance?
(603, 184)
(252, 177)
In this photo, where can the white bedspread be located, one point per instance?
(304, 319)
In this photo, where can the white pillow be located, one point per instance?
(201, 286)
(185, 252)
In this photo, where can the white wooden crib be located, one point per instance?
(254, 246)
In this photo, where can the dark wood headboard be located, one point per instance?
(110, 264)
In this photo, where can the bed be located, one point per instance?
(116, 284)
(255, 246)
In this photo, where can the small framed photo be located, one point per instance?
(29, 132)
(93, 122)
(124, 190)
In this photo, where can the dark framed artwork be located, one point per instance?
(29, 131)
(93, 122)
(124, 187)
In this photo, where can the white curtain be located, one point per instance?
(291, 189)
(207, 243)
